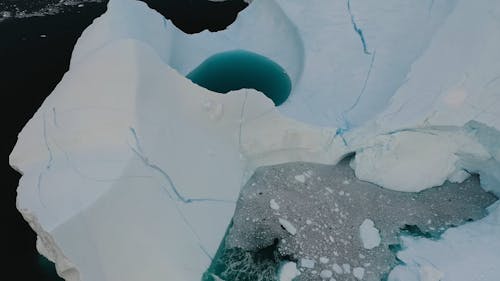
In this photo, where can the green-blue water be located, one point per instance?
(239, 265)
(239, 69)
(48, 269)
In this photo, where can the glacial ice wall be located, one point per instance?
(128, 162)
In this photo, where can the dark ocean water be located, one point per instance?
(36, 41)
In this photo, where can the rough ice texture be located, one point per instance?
(447, 148)
(328, 209)
(104, 159)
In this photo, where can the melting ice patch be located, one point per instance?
(239, 69)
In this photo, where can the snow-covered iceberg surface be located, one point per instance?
(131, 171)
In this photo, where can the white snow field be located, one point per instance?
(131, 171)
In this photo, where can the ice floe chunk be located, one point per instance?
(288, 226)
(273, 204)
(369, 234)
(288, 271)
(307, 263)
(391, 161)
(337, 268)
(346, 268)
(358, 272)
(300, 178)
(326, 274)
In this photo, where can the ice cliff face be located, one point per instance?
(129, 162)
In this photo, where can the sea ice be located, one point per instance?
(427, 213)
(358, 272)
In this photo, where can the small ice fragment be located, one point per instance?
(458, 176)
(288, 271)
(325, 274)
(80, 5)
(6, 14)
(300, 178)
(337, 268)
(216, 278)
(274, 205)
(359, 272)
(307, 263)
(324, 260)
(370, 235)
(346, 267)
(43, 36)
(288, 226)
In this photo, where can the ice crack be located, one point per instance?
(54, 117)
(140, 154)
(241, 118)
(358, 30)
(49, 150)
(49, 162)
(346, 127)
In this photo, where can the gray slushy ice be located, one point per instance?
(312, 214)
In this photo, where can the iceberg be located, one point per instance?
(132, 171)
